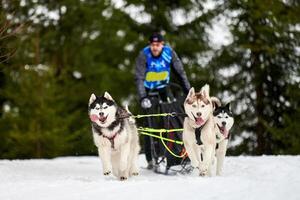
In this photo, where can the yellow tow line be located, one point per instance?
(148, 131)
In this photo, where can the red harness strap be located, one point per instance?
(111, 139)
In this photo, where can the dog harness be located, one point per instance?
(157, 68)
(112, 139)
(198, 135)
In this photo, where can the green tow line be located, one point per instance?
(153, 130)
(155, 115)
(160, 137)
(148, 131)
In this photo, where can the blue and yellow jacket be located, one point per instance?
(155, 72)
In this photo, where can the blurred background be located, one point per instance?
(54, 54)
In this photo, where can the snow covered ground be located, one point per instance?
(266, 177)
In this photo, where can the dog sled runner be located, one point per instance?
(164, 122)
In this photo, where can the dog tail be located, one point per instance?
(127, 108)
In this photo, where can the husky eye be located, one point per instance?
(97, 108)
(194, 106)
(226, 117)
(202, 106)
(219, 117)
(105, 107)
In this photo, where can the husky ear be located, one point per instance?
(191, 92)
(189, 97)
(215, 102)
(205, 91)
(92, 98)
(107, 96)
(227, 106)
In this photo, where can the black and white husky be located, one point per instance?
(224, 121)
(199, 109)
(115, 134)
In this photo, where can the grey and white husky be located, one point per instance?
(115, 135)
(199, 108)
(224, 121)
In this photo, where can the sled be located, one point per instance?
(164, 122)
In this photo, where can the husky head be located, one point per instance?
(199, 106)
(224, 119)
(104, 111)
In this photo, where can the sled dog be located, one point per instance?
(115, 135)
(223, 121)
(199, 109)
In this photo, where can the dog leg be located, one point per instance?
(124, 156)
(211, 163)
(203, 168)
(115, 161)
(197, 150)
(192, 154)
(134, 160)
(104, 154)
(221, 152)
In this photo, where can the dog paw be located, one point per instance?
(106, 173)
(135, 173)
(203, 172)
(123, 178)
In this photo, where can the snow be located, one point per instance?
(265, 177)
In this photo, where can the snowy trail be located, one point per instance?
(266, 177)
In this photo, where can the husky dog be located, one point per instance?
(199, 108)
(115, 134)
(223, 121)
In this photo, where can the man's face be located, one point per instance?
(156, 48)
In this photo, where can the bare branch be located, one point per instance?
(7, 31)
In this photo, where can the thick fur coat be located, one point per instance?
(115, 135)
(199, 108)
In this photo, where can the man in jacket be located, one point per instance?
(154, 66)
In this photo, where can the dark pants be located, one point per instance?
(147, 146)
(155, 97)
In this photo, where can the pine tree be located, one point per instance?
(85, 47)
(264, 60)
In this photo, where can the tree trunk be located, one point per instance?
(258, 81)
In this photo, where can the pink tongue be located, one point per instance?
(225, 132)
(94, 118)
(199, 121)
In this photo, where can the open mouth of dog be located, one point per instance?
(95, 118)
(223, 130)
(198, 120)
(102, 119)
